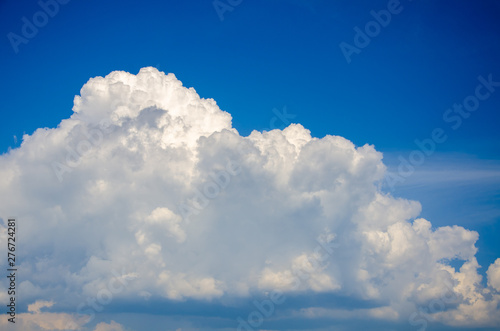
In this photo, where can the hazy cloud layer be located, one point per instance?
(149, 192)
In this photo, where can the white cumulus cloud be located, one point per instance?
(148, 189)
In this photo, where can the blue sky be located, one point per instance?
(279, 54)
(286, 52)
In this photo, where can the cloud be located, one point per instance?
(494, 275)
(35, 307)
(147, 192)
(36, 320)
(113, 326)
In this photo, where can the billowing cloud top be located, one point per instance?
(148, 185)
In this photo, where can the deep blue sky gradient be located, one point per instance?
(268, 54)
